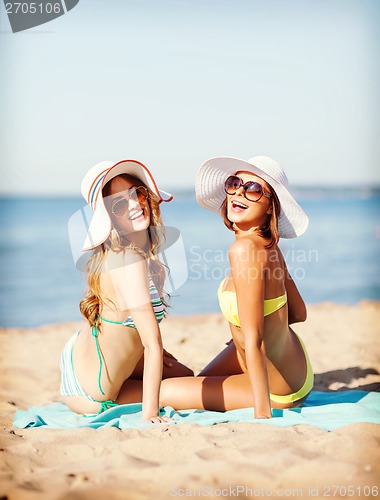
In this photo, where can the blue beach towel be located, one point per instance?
(326, 410)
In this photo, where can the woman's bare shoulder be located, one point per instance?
(248, 249)
(129, 256)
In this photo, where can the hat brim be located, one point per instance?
(139, 170)
(209, 190)
(101, 225)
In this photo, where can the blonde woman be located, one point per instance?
(118, 356)
(265, 365)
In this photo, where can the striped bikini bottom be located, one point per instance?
(70, 385)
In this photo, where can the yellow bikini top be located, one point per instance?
(229, 308)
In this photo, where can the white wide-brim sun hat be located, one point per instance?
(210, 194)
(92, 191)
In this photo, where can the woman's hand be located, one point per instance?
(167, 357)
(157, 420)
(262, 416)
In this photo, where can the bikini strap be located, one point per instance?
(95, 334)
(104, 405)
(110, 321)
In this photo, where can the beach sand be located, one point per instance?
(173, 461)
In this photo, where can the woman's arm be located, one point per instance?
(248, 268)
(132, 291)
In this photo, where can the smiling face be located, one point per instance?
(128, 207)
(246, 214)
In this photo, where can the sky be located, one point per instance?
(173, 83)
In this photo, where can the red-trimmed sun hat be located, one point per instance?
(92, 191)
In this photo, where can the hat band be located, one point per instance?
(95, 189)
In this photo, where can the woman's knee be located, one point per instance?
(174, 390)
(176, 370)
(165, 390)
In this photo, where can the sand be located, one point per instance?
(222, 461)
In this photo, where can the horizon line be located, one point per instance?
(372, 188)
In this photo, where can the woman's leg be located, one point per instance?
(202, 393)
(219, 393)
(176, 369)
(130, 392)
(228, 362)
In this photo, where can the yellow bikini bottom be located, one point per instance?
(305, 389)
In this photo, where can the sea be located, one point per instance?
(42, 279)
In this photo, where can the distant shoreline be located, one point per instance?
(345, 191)
(198, 316)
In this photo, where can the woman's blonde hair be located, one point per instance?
(268, 230)
(92, 303)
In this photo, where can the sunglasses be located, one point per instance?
(139, 194)
(253, 191)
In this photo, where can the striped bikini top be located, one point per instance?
(158, 308)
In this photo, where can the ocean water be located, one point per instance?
(337, 259)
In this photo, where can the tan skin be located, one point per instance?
(265, 355)
(134, 361)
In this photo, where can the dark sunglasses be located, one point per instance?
(253, 191)
(139, 194)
